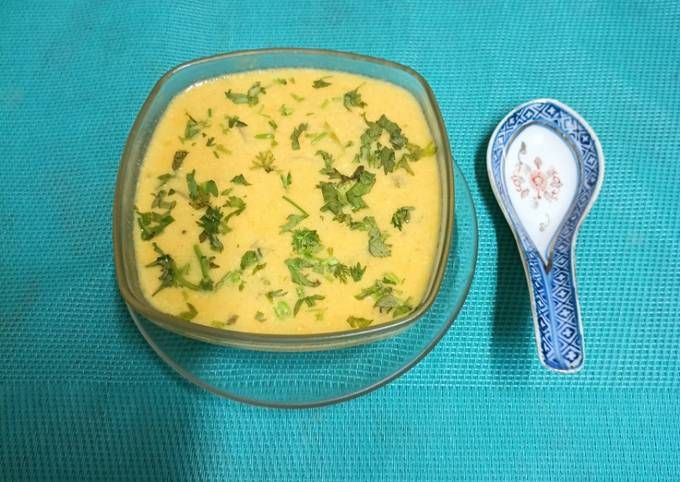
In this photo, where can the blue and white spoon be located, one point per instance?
(546, 167)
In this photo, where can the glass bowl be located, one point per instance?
(310, 379)
(185, 75)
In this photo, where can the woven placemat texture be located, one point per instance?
(83, 397)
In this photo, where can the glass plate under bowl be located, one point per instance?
(309, 379)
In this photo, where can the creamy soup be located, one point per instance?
(289, 201)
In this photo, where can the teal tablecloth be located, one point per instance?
(83, 397)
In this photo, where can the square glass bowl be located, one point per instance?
(185, 75)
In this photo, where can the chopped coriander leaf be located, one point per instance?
(178, 159)
(402, 216)
(376, 239)
(273, 124)
(210, 142)
(357, 272)
(334, 200)
(213, 224)
(275, 294)
(293, 219)
(319, 137)
(206, 264)
(321, 83)
(231, 277)
(171, 274)
(285, 111)
(152, 223)
(250, 258)
(193, 127)
(164, 178)
(297, 97)
(295, 136)
(160, 202)
(364, 183)
(282, 310)
(239, 206)
(240, 179)
(295, 267)
(259, 267)
(353, 99)
(305, 242)
(264, 135)
(199, 193)
(310, 301)
(385, 298)
(234, 121)
(338, 270)
(252, 97)
(286, 180)
(328, 161)
(280, 81)
(190, 314)
(337, 195)
(358, 322)
(265, 161)
(259, 316)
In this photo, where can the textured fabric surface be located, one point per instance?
(83, 397)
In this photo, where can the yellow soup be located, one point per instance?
(289, 201)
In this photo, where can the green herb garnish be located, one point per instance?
(386, 298)
(206, 264)
(234, 121)
(282, 310)
(193, 127)
(310, 301)
(178, 159)
(251, 258)
(321, 83)
(378, 155)
(265, 161)
(152, 223)
(306, 242)
(159, 200)
(212, 224)
(171, 274)
(295, 267)
(275, 294)
(377, 245)
(240, 179)
(251, 97)
(164, 178)
(238, 204)
(199, 193)
(297, 97)
(348, 191)
(402, 216)
(358, 322)
(285, 111)
(295, 136)
(231, 277)
(259, 316)
(293, 219)
(190, 314)
(280, 81)
(286, 180)
(353, 99)
(357, 272)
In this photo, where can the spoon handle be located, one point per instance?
(557, 318)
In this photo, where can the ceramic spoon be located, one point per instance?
(546, 167)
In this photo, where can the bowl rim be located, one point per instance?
(286, 342)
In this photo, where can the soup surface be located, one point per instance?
(289, 201)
